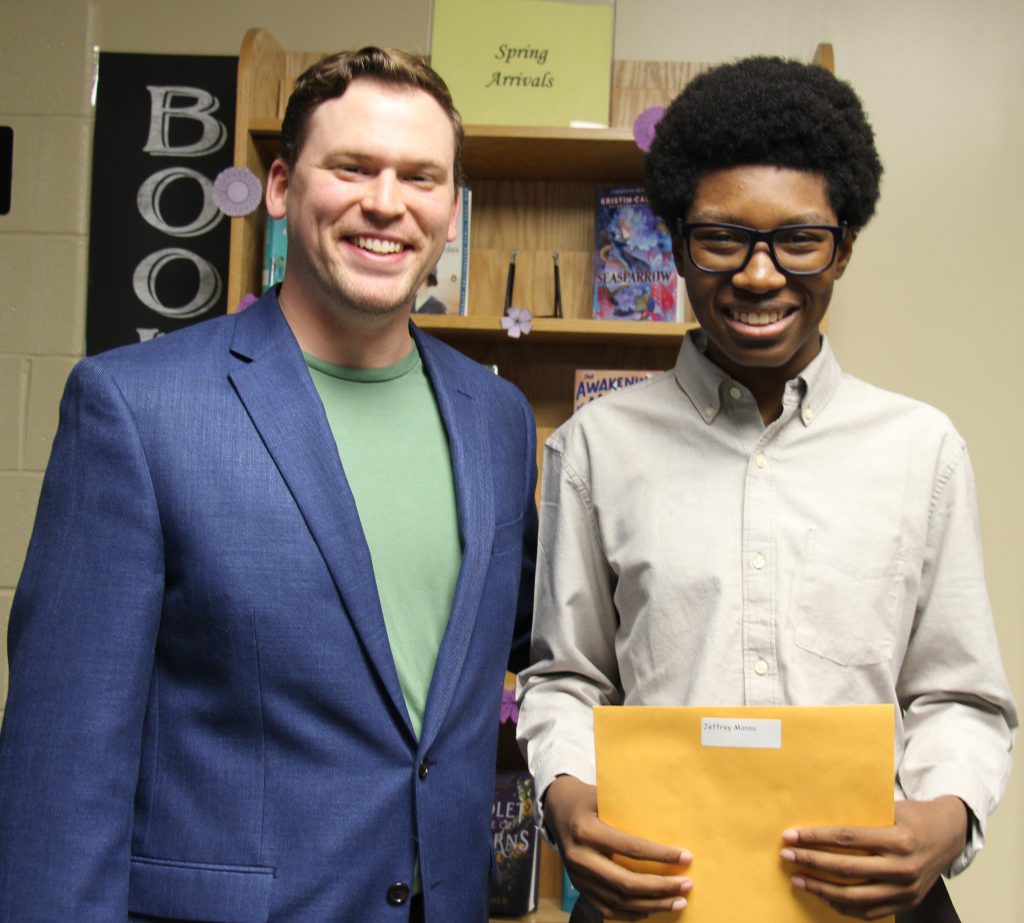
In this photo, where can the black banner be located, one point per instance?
(158, 245)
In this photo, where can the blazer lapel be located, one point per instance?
(464, 421)
(275, 387)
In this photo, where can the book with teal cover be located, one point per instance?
(275, 251)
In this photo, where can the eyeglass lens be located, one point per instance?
(797, 249)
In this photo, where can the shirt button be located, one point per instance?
(808, 415)
(758, 561)
(735, 393)
(760, 460)
(709, 411)
(398, 894)
(760, 668)
(424, 769)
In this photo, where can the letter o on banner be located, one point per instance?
(153, 188)
(206, 296)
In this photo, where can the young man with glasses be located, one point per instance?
(759, 528)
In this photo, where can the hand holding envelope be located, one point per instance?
(588, 847)
(888, 868)
(725, 783)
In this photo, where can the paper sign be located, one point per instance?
(525, 62)
(725, 782)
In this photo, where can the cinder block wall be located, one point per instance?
(47, 65)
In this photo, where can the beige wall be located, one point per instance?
(45, 68)
(930, 306)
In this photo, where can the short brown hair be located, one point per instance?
(330, 77)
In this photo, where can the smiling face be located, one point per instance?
(370, 205)
(762, 325)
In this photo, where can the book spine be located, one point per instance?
(275, 251)
(467, 212)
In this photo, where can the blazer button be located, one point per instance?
(424, 769)
(398, 894)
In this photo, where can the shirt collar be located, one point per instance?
(703, 382)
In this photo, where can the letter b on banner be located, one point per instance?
(200, 106)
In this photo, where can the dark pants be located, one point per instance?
(416, 909)
(935, 908)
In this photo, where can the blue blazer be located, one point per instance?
(204, 719)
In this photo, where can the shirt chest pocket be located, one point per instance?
(847, 597)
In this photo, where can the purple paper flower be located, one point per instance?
(237, 191)
(518, 321)
(247, 299)
(644, 125)
(509, 708)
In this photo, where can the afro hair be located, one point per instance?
(765, 110)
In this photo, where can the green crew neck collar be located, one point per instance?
(387, 373)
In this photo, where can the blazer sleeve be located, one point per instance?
(81, 644)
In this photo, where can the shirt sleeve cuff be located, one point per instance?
(941, 782)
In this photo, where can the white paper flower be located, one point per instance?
(518, 321)
(237, 191)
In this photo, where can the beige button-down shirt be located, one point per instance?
(691, 555)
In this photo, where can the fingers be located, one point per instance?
(870, 901)
(617, 891)
(614, 905)
(588, 846)
(621, 899)
(595, 833)
(849, 868)
(862, 839)
(872, 872)
(868, 887)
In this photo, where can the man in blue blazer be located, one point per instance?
(279, 561)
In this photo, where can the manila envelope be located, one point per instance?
(725, 782)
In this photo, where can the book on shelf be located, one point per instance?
(569, 892)
(594, 383)
(515, 836)
(634, 270)
(275, 251)
(446, 288)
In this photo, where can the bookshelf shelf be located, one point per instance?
(555, 330)
(600, 155)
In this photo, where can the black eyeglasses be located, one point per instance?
(796, 249)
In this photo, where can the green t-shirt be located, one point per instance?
(394, 450)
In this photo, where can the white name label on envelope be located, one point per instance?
(754, 733)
